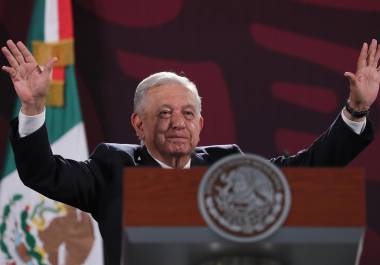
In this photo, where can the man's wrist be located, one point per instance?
(349, 116)
(33, 109)
(29, 124)
(357, 126)
(355, 111)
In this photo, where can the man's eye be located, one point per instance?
(189, 114)
(164, 114)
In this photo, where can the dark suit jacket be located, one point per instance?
(95, 185)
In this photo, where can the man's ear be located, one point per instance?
(201, 123)
(137, 124)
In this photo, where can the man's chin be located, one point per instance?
(179, 150)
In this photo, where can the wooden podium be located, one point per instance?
(163, 226)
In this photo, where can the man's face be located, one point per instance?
(169, 123)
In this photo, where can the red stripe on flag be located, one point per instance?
(59, 74)
(65, 19)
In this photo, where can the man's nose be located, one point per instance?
(178, 121)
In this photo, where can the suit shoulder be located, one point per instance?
(216, 152)
(115, 147)
(226, 148)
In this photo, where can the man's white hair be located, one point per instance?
(163, 78)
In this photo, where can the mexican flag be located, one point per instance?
(33, 228)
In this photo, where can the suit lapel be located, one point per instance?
(143, 158)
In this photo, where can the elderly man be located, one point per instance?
(167, 120)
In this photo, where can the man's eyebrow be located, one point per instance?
(183, 107)
(165, 106)
(189, 106)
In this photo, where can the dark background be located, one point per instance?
(270, 71)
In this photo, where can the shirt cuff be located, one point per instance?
(356, 126)
(29, 124)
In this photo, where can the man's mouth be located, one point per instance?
(177, 137)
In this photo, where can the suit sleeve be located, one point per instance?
(337, 146)
(72, 182)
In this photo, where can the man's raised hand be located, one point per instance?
(30, 80)
(364, 84)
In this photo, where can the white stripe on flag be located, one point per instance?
(51, 25)
(72, 144)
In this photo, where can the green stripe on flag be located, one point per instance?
(9, 163)
(36, 29)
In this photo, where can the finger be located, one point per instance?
(9, 70)
(25, 52)
(362, 60)
(371, 53)
(50, 63)
(15, 51)
(377, 56)
(10, 58)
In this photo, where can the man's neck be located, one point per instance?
(172, 161)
